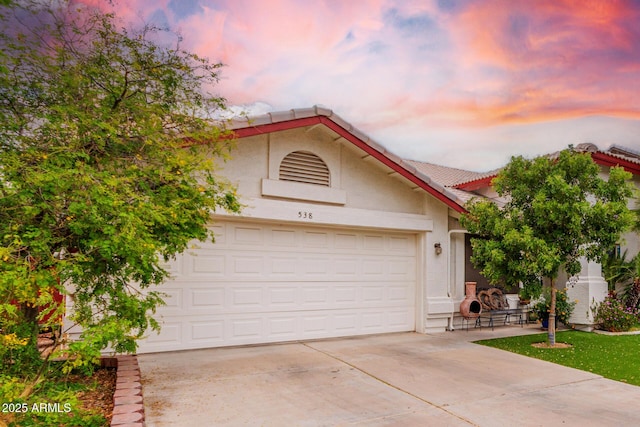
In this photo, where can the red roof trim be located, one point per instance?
(600, 158)
(604, 159)
(275, 127)
(309, 121)
(476, 183)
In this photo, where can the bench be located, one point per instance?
(495, 307)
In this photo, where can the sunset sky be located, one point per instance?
(461, 83)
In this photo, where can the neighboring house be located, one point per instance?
(338, 237)
(589, 286)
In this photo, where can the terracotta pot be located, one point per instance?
(470, 307)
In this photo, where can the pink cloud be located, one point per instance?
(555, 59)
(269, 46)
(416, 65)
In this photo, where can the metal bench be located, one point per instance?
(495, 307)
(504, 315)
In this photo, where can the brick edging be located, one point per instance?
(128, 407)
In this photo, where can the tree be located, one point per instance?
(107, 152)
(558, 211)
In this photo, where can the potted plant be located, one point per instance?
(530, 291)
(564, 307)
(525, 296)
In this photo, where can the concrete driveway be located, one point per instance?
(404, 379)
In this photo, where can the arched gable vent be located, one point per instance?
(304, 167)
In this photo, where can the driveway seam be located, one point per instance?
(388, 384)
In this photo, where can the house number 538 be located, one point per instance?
(305, 215)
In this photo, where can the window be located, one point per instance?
(304, 167)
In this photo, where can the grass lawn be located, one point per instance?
(613, 357)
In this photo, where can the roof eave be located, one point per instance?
(605, 159)
(355, 137)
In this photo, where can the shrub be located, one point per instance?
(564, 307)
(632, 293)
(612, 315)
(17, 355)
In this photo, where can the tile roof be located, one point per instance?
(615, 155)
(626, 152)
(462, 195)
(445, 175)
(452, 177)
(623, 153)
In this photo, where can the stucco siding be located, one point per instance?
(248, 165)
(359, 181)
(370, 185)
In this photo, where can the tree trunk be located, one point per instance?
(552, 315)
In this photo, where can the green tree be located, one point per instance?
(107, 152)
(558, 211)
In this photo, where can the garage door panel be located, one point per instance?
(402, 244)
(262, 283)
(283, 297)
(318, 267)
(283, 266)
(247, 328)
(347, 324)
(239, 329)
(373, 243)
(245, 298)
(208, 331)
(315, 240)
(372, 322)
(189, 297)
(285, 238)
(246, 265)
(313, 267)
(399, 294)
(173, 299)
(283, 328)
(206, 297)
(236, 266)
(174, 266)
(346, 267)
(399, 318)
(169, 337)
(207, 265)
(345, 241)
(347, 295)
(245, 235)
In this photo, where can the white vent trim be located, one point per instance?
(306, 168)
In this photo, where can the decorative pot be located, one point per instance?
(470, 307)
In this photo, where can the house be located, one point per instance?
(338, 237)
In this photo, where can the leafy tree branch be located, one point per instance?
(98, 186)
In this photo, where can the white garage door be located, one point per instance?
(262, 283)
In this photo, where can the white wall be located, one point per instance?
(439, 304)
(367, 182)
